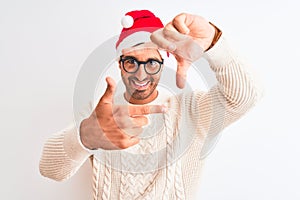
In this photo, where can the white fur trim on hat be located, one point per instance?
(132, 40)
(137, 38)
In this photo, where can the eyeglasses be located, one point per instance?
(132, 65)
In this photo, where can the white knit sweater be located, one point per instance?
(166, 163)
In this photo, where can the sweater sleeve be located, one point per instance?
(63, 154)
(234, 94)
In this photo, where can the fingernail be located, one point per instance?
(172, 47)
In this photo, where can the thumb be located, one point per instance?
(109, 92)
(181, 22)
(181, 73)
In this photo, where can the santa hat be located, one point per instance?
(137, 28)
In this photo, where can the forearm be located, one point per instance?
(63, 155)
(234, 94)
(235, 83)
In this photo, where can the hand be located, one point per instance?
(115, 126)
(187, 37)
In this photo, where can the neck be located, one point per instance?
(149, 99)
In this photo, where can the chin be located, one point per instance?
(140, 95)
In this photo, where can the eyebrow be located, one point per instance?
(151, 58)
(138, 44)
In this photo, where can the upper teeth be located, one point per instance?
(140, 84)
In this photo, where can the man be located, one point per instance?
(137, 162)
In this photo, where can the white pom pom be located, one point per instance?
(127, 21)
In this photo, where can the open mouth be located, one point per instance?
(140, 85)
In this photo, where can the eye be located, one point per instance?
(130, 61)
(153, 63)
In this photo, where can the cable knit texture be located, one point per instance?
(167, 164)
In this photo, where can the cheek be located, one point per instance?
(156, 78)
(122, 72)
(125, 79)
(124, 75)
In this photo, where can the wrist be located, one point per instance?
(216, 37)
(82, 135)
(72, 145)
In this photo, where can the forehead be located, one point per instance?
(142, 52)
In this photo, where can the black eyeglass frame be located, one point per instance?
(139, 63)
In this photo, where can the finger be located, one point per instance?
(132, 132)
(158, 39)
(139, 121)
(133, 141)
(180, 22)
(175, 36)
(117, 108)
(110, 90)
(126, 143)
(146, 109)
(181, 76)
(170, 27)
(125, 121)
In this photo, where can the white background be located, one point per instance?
(44, 43)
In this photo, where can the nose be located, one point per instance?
(141, 74)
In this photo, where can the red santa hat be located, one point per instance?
(137, 28)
